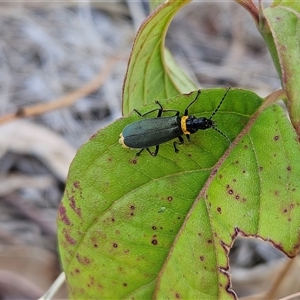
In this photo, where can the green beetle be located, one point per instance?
(150, 132)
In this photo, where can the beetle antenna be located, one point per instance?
(225, 136)
(218, 107)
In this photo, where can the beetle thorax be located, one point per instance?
(193, 124)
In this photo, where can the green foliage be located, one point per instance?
(161, 228)
(279, 25)
(149, 75)
(284, 22)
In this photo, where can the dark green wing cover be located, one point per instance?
(151, 132)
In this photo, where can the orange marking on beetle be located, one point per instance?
(183, 125)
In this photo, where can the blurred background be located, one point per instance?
(75, 54)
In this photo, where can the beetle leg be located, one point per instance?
(160, 110)
(177, 111)
(138, 153)
(137, 112)
(181, 141)
(166, 110)
(149, 112)
(188, 137)
(149, 151)
(156, 150)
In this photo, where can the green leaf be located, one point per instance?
(294, 5)
(161, 227)
(149, 74)
(257, 14)
(179, 78)
(284, 23)
(154, 4)
(279, 25)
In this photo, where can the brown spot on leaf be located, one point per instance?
(219, 210)
(289, 168)
(154, 241)
(76, 184)
(276, 137)
(83, 260)
(76, 209)
(91, 282)
(170, 198)
(201, 257)
(115, 245)
(62, 212)
(68, 238)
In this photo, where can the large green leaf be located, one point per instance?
(152, 73)
(279, 25)
(284, 22)
(161, 227)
